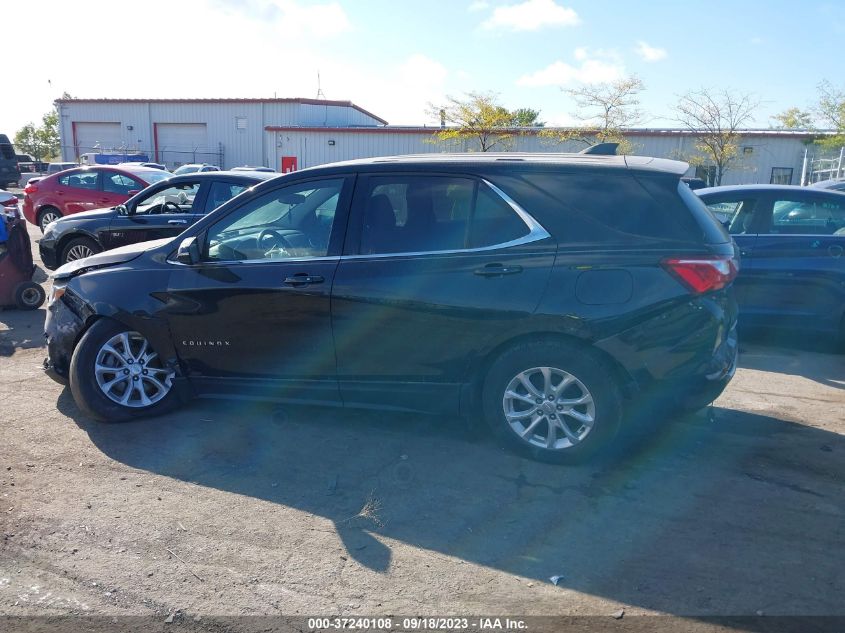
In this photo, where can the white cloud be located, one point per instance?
(478, 5)
(650, 53)
(531, 15)
(590, 69)
(322, 20)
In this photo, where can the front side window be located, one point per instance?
(80, 180)
(815, 216)
(221, 192)
(120, 184)
(406, 214)
(289, 222)
(734, 214)
(177, 199)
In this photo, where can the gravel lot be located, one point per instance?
(229, 508)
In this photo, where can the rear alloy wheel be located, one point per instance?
(47, 215)
(553, 400)
(116, 375)
(549, 408)
(79, 248)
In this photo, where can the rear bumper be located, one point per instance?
(693, 342)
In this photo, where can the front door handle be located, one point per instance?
(303, 279)
(497, 270)
(177, 221)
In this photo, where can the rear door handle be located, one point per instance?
(303, 279)
(497, 270)
(177, 221)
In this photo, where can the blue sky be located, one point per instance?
(393, 57)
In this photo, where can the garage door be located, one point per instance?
(92, 137)
(180, 143)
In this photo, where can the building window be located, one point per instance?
(707, 173)
(781, 176)
(240, 122)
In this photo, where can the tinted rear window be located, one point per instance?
(607, 208)
(7, 152)
(713, 231)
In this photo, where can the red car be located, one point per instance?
(85, 189)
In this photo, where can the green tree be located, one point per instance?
(478, 117)
(605, 110)
(715, 119)
(794, 119)
(526, 117)
(830, 112)
(43, 141)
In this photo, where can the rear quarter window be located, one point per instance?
(607, 208)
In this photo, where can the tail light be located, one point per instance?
(11, 202)
(30, 188)
(703, 274)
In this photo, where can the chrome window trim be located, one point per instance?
(536, 232)
(264, 260)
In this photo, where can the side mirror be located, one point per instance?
(189, 251)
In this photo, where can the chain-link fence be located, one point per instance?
(170, 156)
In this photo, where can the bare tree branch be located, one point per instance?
(715, 118)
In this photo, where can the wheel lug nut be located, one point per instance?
(551, 397)
(552, 416)
(560, 407)
(125, 371)
(134, 377)
(539, 401)
(145, 372)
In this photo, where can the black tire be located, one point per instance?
(590, 373)
(87, 393)
(47, 215)
(77, 244)
(29, 295)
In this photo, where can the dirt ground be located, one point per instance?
(227, 508)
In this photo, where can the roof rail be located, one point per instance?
(601, 149)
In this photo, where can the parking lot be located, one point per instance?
(233, 508)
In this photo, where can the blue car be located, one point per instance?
(792, 243)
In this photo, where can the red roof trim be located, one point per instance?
(534, 131)
(302, 101)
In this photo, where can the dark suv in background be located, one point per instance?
(161, 210)
(10, 173)
(544, 293)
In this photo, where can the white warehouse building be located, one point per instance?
(291, 134)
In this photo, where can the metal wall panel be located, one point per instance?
(238, 129)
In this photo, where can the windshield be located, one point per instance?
(152, 176)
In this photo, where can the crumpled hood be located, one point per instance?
(107, 258)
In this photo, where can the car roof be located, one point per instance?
(215, 175)
(485, 159)
(762, 188)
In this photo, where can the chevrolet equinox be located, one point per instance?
(543, 293)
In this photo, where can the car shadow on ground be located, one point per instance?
(21, 329)
(784, 352)
(665, 521)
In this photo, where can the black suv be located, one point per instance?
(544, 293)
(10, 173)
(164, 209)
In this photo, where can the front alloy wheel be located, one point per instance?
(130, 373)
(78, 251)
(549, 408)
